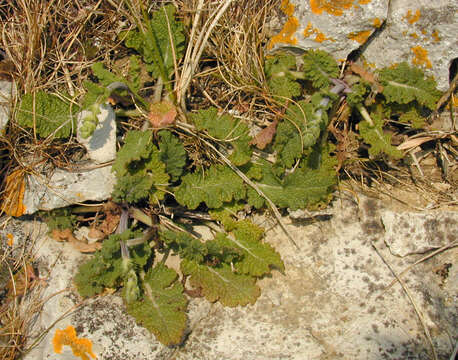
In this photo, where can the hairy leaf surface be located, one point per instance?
(403, 84)
(279, 71)
(172, 154)
(299, 130)
(377, 139)
(137, 146)
(47, 114)
(163, 307)
(214, 186)
(158, 54)
(221, 284)
(105, 269)
(227, 129)
(257, 258)
(320, 67)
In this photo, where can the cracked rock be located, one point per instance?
(421, 32)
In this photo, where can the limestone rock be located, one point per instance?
(337, 27)
(63, 188)
(415, 233)
(101, 145)
(421, 32)
(6, 89)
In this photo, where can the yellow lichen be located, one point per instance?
(360, 36)
(376, 23)
(286, 35)
(435, 35)
(287, 7)
(413, 35)
(412, 18)
(80, 347)
(332, 7)
(421, 57)
(319, 36)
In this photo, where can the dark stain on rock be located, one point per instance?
(372, 227)
(370, 207)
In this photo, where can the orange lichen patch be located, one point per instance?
(13, 195)
(360, 36)
(413, 35)
(412, 18)
(80, 347)
(376, 23)
(364, 2)
(286, 35)
(332, 7)
(319, 36)
(421, 57)
(371, 65)
(10, 240)
(287, 7)
(435, 35)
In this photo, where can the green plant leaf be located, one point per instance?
(357, 95)
(320, 67)
(105, 269)
(172, 154)
(137, 146)
(162, 310)
(133, 188)
(184, 245)
(410, 113)
(257, 258)
(377, 139)
(214, 186)
(403, 83)
(221, 284)
(228, 130)
(310, 185)
(279, 70)
(299, 130)
(52, 115)
(162, 56)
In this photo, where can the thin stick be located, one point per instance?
(417, 310)
(424, 258)
(253, 185)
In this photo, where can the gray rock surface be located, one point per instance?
(421, 32)
(101, 145)
(63, 188)
(334, 300)
(337, 27)
(417, 233)
(6, 91)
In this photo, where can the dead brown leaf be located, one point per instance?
(67, 235)
(265, 136)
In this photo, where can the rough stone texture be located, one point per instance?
(421, 32)
(63, 188)
(6, 88)
(337, 27)
(417, 233)
(334, 300)
(101, 145)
